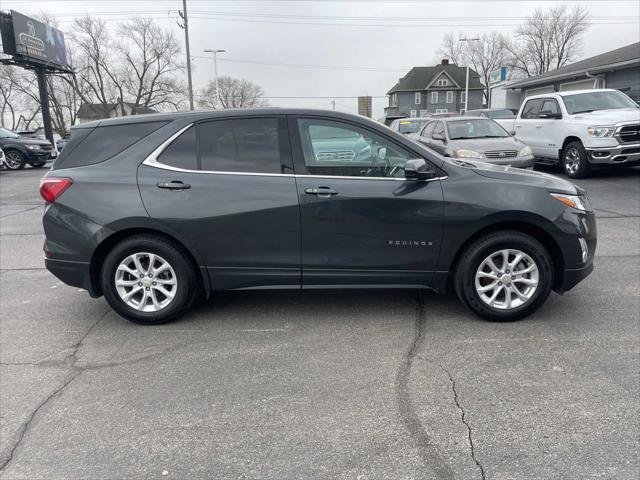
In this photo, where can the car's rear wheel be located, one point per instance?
(14, 160)
(574, 161)
(504, 276)
(148, 280)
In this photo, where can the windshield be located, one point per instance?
(500, 114)
(411, 126)
(590, 101)
(6, 133)
(461, 129)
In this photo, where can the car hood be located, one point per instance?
(529, 177)
(609, 117)
(28, 141)
(488, 144)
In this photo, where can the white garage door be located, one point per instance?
(581, 85)
(538, 91)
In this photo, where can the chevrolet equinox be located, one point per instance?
(150, 211)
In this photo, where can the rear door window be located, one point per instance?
(182, 152)
(246, 145)
(102, 143)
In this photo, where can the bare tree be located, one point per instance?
(548, 40)
(150, 64)
(485, 55)
(20, 103)
(234, 93)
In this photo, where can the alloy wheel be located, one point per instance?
(146, 282)
(572, 160)
(13, 160)
(507, 279)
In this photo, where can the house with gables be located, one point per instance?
(437, 89)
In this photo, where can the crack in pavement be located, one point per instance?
(70, 360)
(21, 211)
(464, 420)
(428, 451)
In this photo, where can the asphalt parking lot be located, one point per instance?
(331, 384)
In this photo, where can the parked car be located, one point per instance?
(582, 129)
(2, 159)
(407, 126)
(477, 138)
(504, 116)
(62, 141)
(148, 211)
(31, 134)
(19, 151)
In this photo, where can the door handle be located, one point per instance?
(175, 185)
(320, 191)
(538, 126)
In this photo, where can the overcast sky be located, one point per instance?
(386, 38)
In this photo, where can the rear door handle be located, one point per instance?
(175, 185)
(320, 191)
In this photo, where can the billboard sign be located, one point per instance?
(34, 42)
(498, 75)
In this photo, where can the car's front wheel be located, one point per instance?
(14, 160)
(148, 280)
(504, 276)
(574, 161)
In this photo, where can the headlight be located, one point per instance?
(464, 153)
(525, 152)
(33, 147)
(600, 131)
(573, 201)
(365, 150)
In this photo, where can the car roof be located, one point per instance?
(414, 119)
(449, 119)
(198, 115)
(572, 92)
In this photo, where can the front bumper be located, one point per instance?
(572, 277)
(618, 154)
(518, 162)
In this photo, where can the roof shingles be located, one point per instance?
(418, 78)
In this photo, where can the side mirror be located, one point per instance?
(418, 169)
(438, 136)
(512, 133)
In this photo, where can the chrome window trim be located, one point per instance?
(152, 161)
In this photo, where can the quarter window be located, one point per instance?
(182, 153)
(240, 145)
(434, 97)
(335, 148)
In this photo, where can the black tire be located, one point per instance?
(479, 250)
(14, 160)
(575, 161)
(187, 287)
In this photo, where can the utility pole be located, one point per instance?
(185, 26)
(215, 70)
(333, 104)
(466, 85)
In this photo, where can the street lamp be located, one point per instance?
(466, 85)
(215, 68)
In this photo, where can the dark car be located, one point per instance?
(475, 138)
(150, 211)
(21, 150)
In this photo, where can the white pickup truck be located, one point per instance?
(581, 129)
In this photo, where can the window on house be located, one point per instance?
(418, 98)
(443, 82)
(393, 100)
(434, 97)
(463, 97)
(412, 113)
(442, 110)
(423, 113)
(449, 97)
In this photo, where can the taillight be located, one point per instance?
(52, 187)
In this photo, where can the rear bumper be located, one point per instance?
(619, 154)
(75, 274)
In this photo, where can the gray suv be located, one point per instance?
(152, 211)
